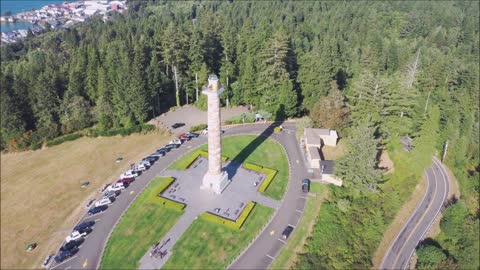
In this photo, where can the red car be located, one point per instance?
(126, 180)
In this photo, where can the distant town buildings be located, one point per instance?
(60, 15)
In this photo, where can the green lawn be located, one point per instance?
(207, 245)
(253, 149)
(143, 224)
(288, 254)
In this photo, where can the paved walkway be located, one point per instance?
(230, 203)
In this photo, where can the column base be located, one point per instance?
(215, 182)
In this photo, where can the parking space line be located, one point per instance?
(303, 198)
(63, 262)
(281, 240)
(298, 211)
(68, 267)
(291, 225)
(273, 258)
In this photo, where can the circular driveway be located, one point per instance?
(258, 256)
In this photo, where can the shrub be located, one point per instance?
(252, 167)
(186, 161)
(198, 128)
(64, 138)
(168, 181)
(155, 195)
(236, 225)
(269, 172)
(168, 203)
(270, 175)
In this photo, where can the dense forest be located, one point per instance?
(375, 71)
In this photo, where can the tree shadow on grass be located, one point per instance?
(237, 161)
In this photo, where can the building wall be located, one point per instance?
(331, 179)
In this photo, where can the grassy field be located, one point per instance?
(41, 197)
(195, 247)
(143, 224)
(288, 254)
(247, 148)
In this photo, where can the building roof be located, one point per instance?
(326, 166)
(313, 135)
(314, 154)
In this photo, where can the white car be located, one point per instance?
(116, 187)
(141, 167)
(75, 236)
(129, 174)
(175, 142)
(103, 201)
(146, 163)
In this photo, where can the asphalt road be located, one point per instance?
(418, 224)
(269, 243)
(90, 253)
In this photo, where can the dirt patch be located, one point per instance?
(41, 197)
(129, 232)
(222, 255)
(386, 163)
(397, 224)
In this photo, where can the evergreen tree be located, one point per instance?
(368, 99)
(359, 168)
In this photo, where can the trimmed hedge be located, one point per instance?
(163, 186)
(269, 172)
(155, 196)
(252, 167)
(188, 160)
(270, 175)
(168, 203)
(93, 132)
(64, 138)
(236, 225)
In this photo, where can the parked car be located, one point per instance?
(85, 231)
(177, 125)
(104, 201)
(65, 254)
(164, 149)
(97, 209)
(205, 131)
(184, 137)
(172, 146)
(72, 244)
(75, 235)
(175, 142)
(142, 166)
(192, 135)
(129, 174)
(159, 154)
(83, 225)
(117, 186)
(113, 193)
(305, 185)
(146, 163)
(48, 260)
(124, 181)
(286, 233)
(151, 159)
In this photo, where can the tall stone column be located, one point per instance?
(215, 179)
